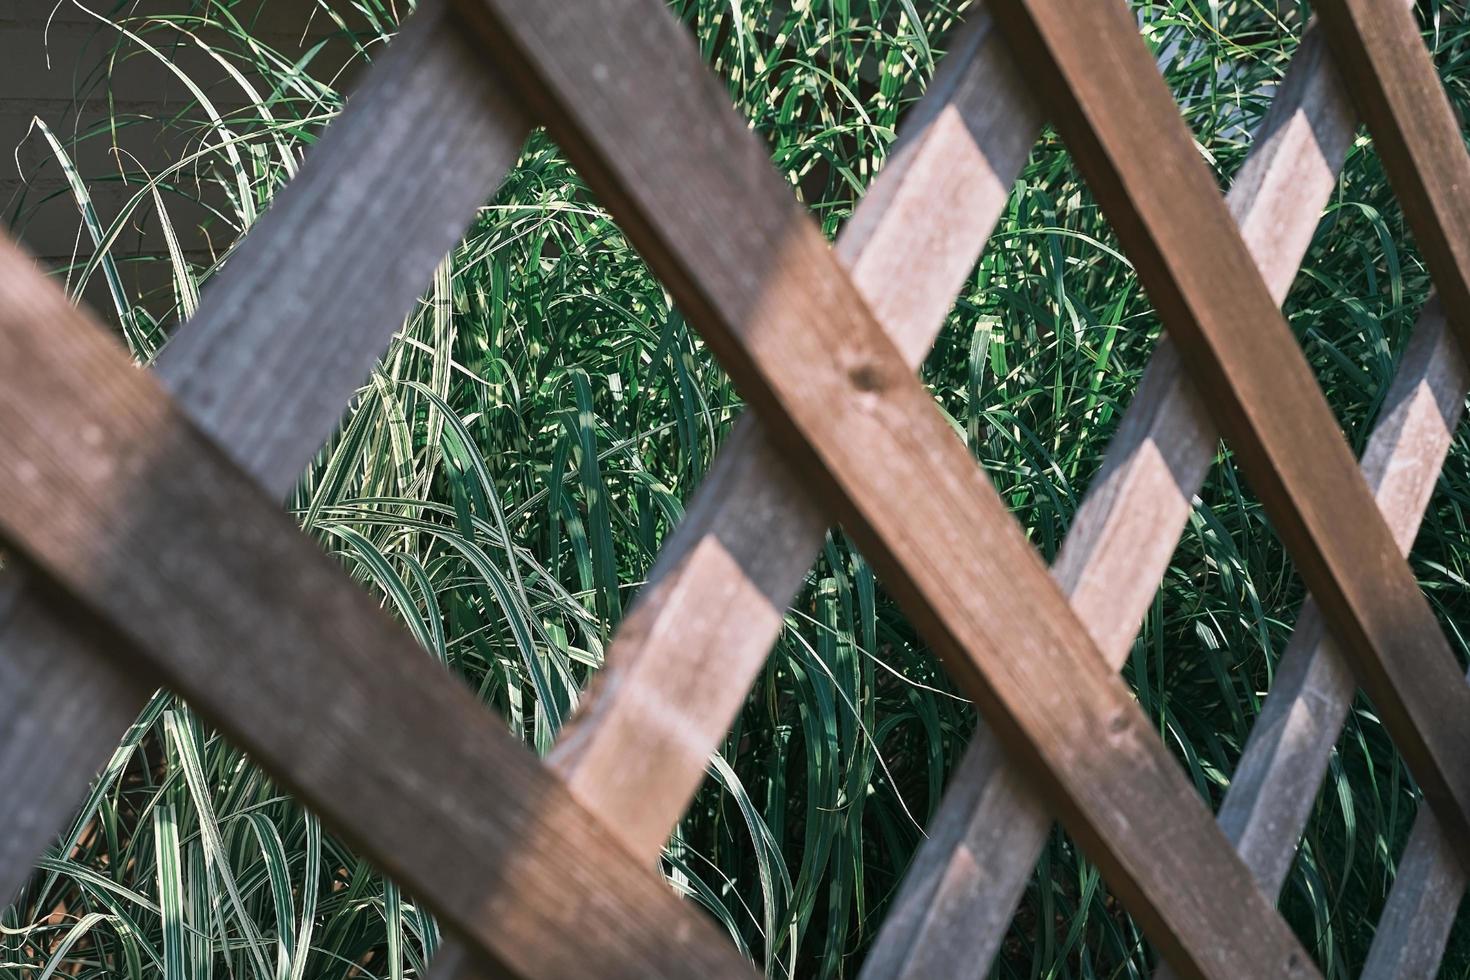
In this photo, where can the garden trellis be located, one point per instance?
(105, 469)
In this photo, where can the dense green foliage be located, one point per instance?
(506, 477)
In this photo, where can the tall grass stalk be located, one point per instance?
(506, 476)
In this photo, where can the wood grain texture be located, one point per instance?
(1276, 783)
(683, 660)
(1419, 137)
(961, 891)
(185, 566)
(1422, 906)
(1416, 134)
(283, 337)
(693, 187)
(1162, 200)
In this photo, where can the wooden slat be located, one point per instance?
(1418, 135)
(684, 658)
(693, 187)
(682, 662)
(1146, 173)
(1275, 785)
(345, 252)
(1428, 888)
(960, 893)
(1277, 780)
(1415, 133)
(290, 327)
(186, 567)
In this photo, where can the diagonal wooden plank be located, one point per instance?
(959, 896)
(1171, 219)
(283, 337)
(177, 561)
(1423, 904)
(684, 658)
(1276, 784)
(693, 187)
(1418, 135)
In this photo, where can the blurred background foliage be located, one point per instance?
(505, 477)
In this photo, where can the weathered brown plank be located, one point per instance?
(1416, 923)
(1145, 172)
(684, 658)
(960, 893)
(1276, 782)
(1418, 135)
(694, 189)
(185, 566)
(1415, 133)
(283, 337)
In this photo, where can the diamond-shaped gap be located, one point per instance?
(1376, 352)
(383, 494)
(666, 218)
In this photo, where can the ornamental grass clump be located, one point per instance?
(505, 477)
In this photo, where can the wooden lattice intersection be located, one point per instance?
(104, 468)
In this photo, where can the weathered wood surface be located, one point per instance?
(1418, 135)
(1276, 783)
(1428, 888)
(693, 187)
(283, 337)
(1146, 173)
(961, 891)
(684, 658)
(173, 558)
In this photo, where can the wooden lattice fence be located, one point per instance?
(105, 469)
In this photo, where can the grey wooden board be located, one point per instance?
(159, 546)
(292, 326)
(693, 187)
